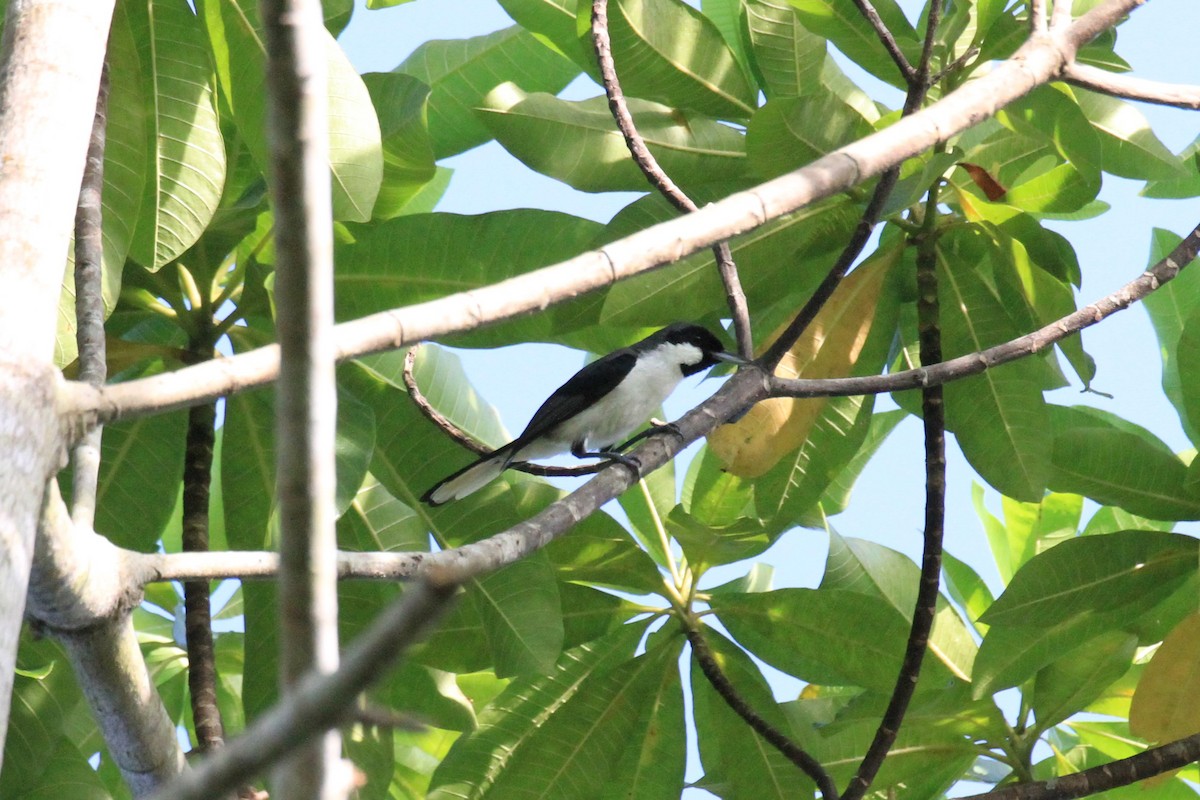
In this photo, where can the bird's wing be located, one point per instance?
(583, 389)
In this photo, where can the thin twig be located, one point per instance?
(1178, 95)
(887, 39)
(777, 739)
(89, 307)
(660, 180)
(934, 421)
(465, 440)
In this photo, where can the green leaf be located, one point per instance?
(728, 18)
(354, 444)
(141, 467)
(446, 253)
(738, 763)
(556, 24)
(461, 72)
(512, 723)
(998, 417)
(837, 495)
(1008, 656)
(1072, 682)
(125, 166)
(669, 52)
(713, 497)
(1169, 308)
(1093, 574)
(248, 469)
(1117, 463)
(578, 143)
(792, 131)
(1128, 145)
(823, 636)
(846, 29)
(187, 166)
(376, 520)
(1186, 183)
(967, 589)
(600, 551)
(787, 55)
(647, 506)
(706, 546)
(401, 101)
(355, 155)
(521, 616)
(868, 568)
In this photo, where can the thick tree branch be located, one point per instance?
(80, 593)
(89, 308)
(50, 62)
(306, 392)
(1164, 94)
(319, 701)
(1035, 63)
(1146, 764)
(660, 180)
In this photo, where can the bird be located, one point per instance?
(598, 407)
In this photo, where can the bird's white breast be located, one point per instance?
(619, 413)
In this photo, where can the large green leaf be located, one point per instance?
(787, 55)
(248, 469)
(843, 25)
(1094, 574)
(1008, 656)
(460, 73)
(1075, 680)
(511, 725)
(1169, 308)
(187, 165)
(1128, 145)
(355, 154)
(999, 417)
(555, 22)
(424, 256)
(521, 616)
(578, 143)
(792, 131)
(834, 637)
(1117, 463)
(867, 568)
(141, 467)
(401, 101)
(669, 52)
(125, 167)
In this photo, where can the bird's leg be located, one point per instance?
(612, 456)
(656, 427)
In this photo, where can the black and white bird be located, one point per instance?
(599, 407)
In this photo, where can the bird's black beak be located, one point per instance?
(731, 358)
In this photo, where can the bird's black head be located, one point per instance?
(698, 348)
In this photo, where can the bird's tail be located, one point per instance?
(470, 478)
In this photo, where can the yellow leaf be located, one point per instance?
(829, 348)
(1166, 705)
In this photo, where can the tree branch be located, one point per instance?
(974, 363)
(1035, 63)
(1164, 94)
(306, 392)
(89, 307)
(319, 701)
(777, 739)
(658, 178)
(907, 71)
(934, 423)
(1114, 774)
